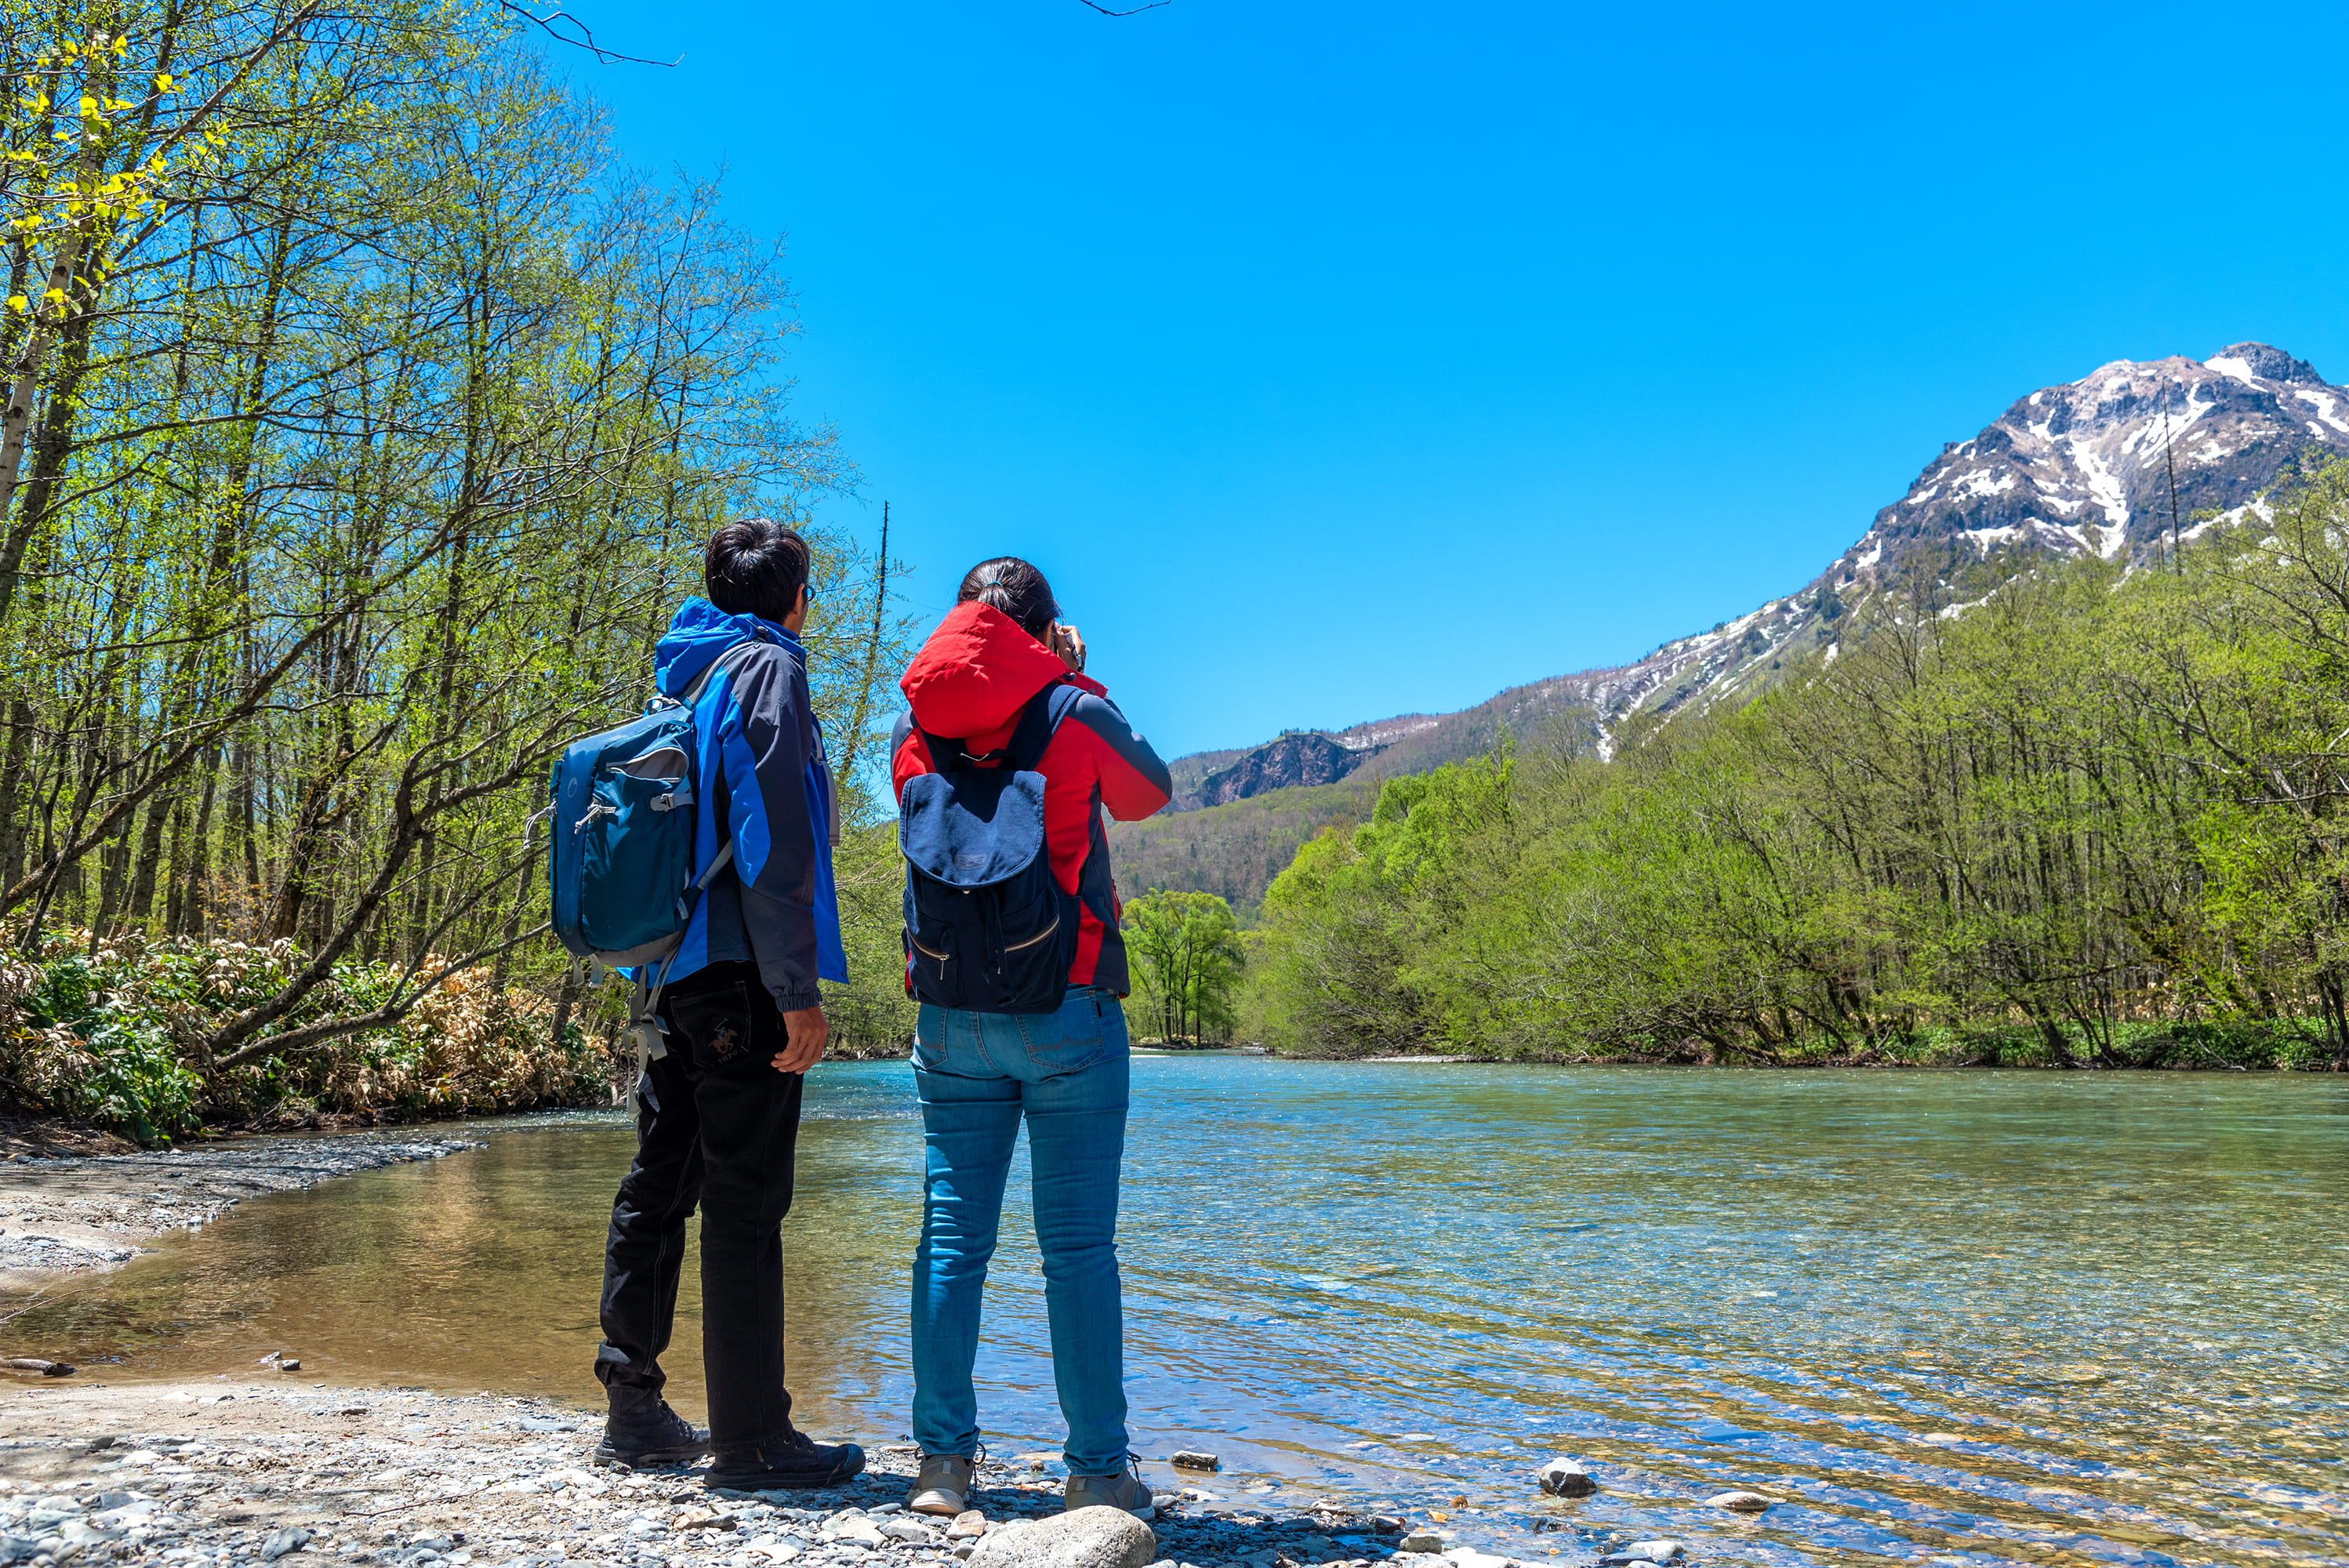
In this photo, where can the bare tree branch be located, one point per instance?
(586, 39)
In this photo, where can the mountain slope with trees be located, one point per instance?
(2110, 465)
(2093, 818)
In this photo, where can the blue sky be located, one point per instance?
(1344, 360)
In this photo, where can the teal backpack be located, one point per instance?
(619, 864)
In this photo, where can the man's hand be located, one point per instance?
(1069, 643)
(805, 1031)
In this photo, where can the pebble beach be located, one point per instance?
(216, 1476)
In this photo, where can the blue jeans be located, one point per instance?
(978, 1074)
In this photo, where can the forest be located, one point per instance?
(2093, 816)
(363, 420)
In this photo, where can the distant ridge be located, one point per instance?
(2084, 465)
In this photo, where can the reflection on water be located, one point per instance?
(1948, 1317)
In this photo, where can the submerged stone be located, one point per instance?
(1565, 1477)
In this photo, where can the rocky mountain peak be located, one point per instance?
(1298, 757)
(2260, 362)
(2089, 465)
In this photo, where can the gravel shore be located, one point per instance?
(226, 1476)
(75, 1213)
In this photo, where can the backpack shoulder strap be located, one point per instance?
(692, 692)
(1039, 722)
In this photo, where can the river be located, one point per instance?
(1948, 1317)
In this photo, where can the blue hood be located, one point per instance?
(699, 632)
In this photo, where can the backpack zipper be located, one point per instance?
(1016, 946)
(941, 957)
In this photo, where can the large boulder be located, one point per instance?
(1087, 1538)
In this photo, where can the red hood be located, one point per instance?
(977, 671)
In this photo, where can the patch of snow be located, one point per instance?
(2259, 508)
(2104, 485)
(2034, 398)
(2230, 365)
(1979, 482)
(2087, 536)
(2323, 401)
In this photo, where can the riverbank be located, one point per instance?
(2169, 1048)
(123, 1032)
(75, 1212)
(259, 1472)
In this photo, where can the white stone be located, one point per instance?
(1741, 1501)
(1097, 1537)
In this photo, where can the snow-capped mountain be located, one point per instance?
(2088, 466)
(2110, 462)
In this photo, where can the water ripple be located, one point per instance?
(1947, 1319)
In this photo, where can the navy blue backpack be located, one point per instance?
(988, 929)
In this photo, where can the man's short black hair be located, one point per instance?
(755, 566)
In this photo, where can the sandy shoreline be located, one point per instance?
(75, 1214)
(220, 1475)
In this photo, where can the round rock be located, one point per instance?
(1097, 1537)
(1563, 1477)
(1741, 1501)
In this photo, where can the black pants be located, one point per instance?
(717, 1125)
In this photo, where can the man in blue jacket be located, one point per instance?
(718, 1114)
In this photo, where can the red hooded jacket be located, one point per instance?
(969, 682)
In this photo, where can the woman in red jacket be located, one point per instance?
(1065, 1072)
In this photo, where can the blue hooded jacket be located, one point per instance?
(764, 780)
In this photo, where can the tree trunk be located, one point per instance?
(175, 884)
(149, 856)
(194, 913)
(13, 798)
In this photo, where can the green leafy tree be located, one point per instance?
(361, 420)
(1187, 947)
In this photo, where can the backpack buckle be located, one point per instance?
(652, 1040)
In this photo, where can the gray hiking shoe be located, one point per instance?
(943, 1486)
(1125, 1490)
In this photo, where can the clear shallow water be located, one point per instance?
(1958, 1317)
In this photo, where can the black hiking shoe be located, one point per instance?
(649, 1441)
(792, 1462)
